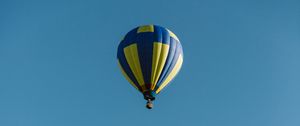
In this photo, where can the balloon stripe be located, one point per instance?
(125, 65)
(135, 55)
(171, 61)
(132, 58)
(155, 59)
(172, 74)
(160, 53)
(162, 60)
(145, 48)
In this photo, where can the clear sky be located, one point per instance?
(58, 63)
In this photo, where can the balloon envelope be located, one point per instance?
(150, 56)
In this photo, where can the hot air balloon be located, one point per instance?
(149, 57)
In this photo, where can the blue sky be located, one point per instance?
(58, 63)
